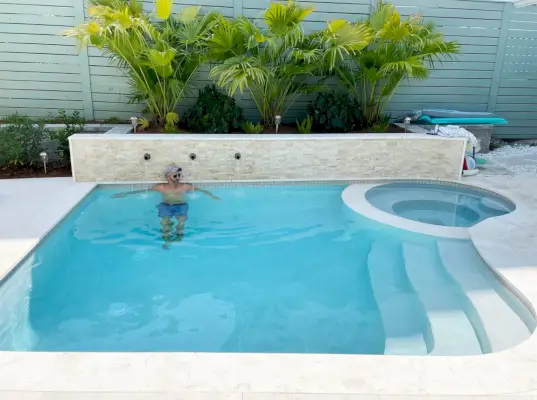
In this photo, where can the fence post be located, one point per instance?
(500, 53)
(83, 59)
(237, 8)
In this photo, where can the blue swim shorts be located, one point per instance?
(172, 210)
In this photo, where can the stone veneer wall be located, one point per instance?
(119, 158)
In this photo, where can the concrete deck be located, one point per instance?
(30, 208)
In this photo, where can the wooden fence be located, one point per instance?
(41, 72)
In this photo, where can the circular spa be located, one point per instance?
(438, 204)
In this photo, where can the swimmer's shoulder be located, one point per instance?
(159, 187)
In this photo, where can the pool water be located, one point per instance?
(438, 204)
(265, 269)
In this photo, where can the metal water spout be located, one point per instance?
(44, 158)
(147, 157)
(238, 157)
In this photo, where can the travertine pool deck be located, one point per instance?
(30, 208)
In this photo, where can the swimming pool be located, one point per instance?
(438, 204)
(272, 269)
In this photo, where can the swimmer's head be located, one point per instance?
(173, 174)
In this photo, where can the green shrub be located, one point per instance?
(382, 124)
(172, 119)
(250, 127)
(334, 112)
(143, 125)
(21, 140)
(214, 112)
(305, 125)
(73, 124)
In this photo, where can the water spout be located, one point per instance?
(147, 158)
(237, 169)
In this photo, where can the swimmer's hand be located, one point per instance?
(215, 197)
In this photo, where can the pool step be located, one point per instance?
(452, 331)
(502, 326)
(402, 324)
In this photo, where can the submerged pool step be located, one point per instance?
(452, 331)
(398, 308)
(501, 324)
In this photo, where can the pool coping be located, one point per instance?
(507, 372)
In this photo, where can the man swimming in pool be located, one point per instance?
(174, 203)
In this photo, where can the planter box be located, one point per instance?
(120, 157)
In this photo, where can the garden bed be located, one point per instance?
(16, 172)
(284, 129)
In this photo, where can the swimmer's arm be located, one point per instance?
(195, 189)
(125, 194)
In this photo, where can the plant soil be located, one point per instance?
(293, 129)
(283, 129)
(17, 172)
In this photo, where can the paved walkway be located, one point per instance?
(29, 208)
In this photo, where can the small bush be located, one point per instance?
(73, 124)
(214, 112)
(172, 119)
(305, 125)
(382, 124)
(250, 127)
(21, 140)
(334, 112)
(142, 125)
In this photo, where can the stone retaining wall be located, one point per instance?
(120, 158)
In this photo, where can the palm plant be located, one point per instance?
(159, 58)
(400, 50)
(278, 63)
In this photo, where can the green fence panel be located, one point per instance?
(42, 72)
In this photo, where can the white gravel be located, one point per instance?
(518, 158)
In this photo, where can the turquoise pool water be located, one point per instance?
(266, 269)
(438, 204)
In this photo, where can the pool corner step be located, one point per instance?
(502, 327)
(402, 327)
(452, 332)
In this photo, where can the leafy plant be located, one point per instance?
(278, 63)
(142, 124)
(334, 112)
(21, 140)
(73, 124)
(213, 112)
(159, 58)
(172, 119)
(401, 49)
(250, 127)
(382, 124)
(305, 125)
